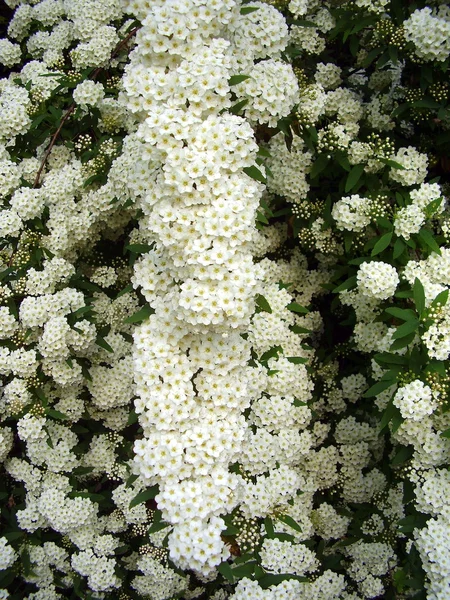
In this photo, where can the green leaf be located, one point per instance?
(126, 290)
(264, 152)
(419, 296)
(378, 387)
(388, 358)
(140, 315)
(403, 341)
(346, 285)
(245, 570)
(392, 163)
(441, 299)
(268, 525)
(132, 418)
(82, 470)
(157, 526)
(297, 360)
(139, 248)
(225, 568)
(399, 247)
(402, 455)
(56, 414)
(290, 521)
(235, 79)
(406, 329)
(353, 177)
(297, 308)
(270, 579)
(426, 103)
(148, 494)
(427, 238)
(254, 173)
(246, 10)
(14, 535)
(131, 479)
(382, 243)
(262, 303)
(319, 165)
(446, 433)
(100, 341)
(236, 108)
(405, 314)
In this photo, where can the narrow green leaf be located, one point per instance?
(131, 479)
(297, 360)
(140, 315)
(262, 303)
(441, 299)
(270, 579)
(446, 433)
(155, 527)
(297, 308)
(346, 285)
(353, 177)
(225, 568)
(378, 387)
(388, 358)
(403, 341)
(399, 247)
(132, 418)
(405, 314)
(427, 238)
(382, 243)
(236, 108)
(245, 570)
(406, 329)
(254, 173)
(268, 525)
(419, 296)
(319, 165)
(246, 10)
(100, 341)
(148, 494)
(56, 414)
(126, 290)
(235, 79)
(402, 455)
(139, 248)
(288, 520)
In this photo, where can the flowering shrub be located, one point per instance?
(224, 316)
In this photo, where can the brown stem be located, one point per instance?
(72, 107)
(52, 143)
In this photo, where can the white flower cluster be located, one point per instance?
(411, 218)
(414, 166)
(429, 30)
(415, 400)
(14, 105)
(271, 92)
(88, 93)
(190, 361)
(377, 279)
(352, 213)
(10, 54)
(289, 168)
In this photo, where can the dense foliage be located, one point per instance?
(224, 317)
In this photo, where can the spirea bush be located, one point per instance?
(224, 315)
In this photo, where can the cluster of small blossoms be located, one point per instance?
(429, 31)
(190, 361)
(352, 213)
(377, 279)
(411, 218)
